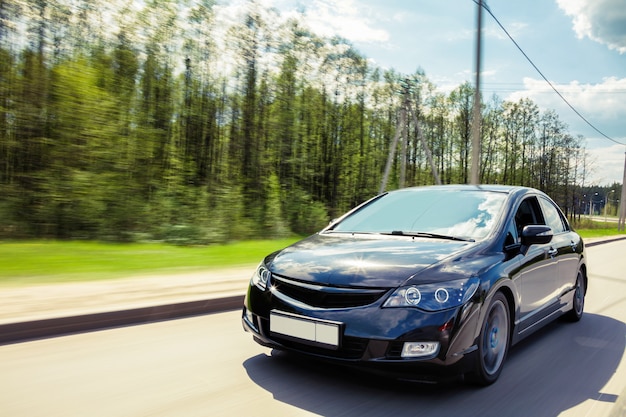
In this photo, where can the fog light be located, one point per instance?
(419, 349)
(250, 319)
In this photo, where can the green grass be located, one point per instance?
(58, 261)
(588, 228)
(587, 233)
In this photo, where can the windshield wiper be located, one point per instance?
(428, 235)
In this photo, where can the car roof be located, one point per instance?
(508, 189)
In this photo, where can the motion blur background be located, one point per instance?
(202, 121)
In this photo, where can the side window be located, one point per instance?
(553, 217)
(527, 213)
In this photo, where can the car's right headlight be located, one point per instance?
(260, 277)
(434, 297)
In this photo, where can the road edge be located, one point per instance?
(39, 329)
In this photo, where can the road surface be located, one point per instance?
(207, 366)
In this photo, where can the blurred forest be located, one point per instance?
(159, 120)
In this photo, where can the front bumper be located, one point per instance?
(372, 338)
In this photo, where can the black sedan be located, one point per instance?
(423, 283)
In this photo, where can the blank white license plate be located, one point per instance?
(316, 332)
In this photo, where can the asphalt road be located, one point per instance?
(207, 366)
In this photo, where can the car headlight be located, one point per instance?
(260, 277)
(434, 297)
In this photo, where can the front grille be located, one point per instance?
(324, 296)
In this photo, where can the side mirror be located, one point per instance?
(536, 235)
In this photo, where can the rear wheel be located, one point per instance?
(493, 342)
(576, 313)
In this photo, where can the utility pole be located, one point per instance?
(400, 128)
(621, 223)
(476, 118)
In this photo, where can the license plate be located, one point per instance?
(306, 330)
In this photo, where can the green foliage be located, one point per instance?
(183, 234)
(305, 215)
(595, 227)
(274, 224)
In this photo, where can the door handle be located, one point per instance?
(553, 252)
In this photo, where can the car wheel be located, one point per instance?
(493, 342)
(576, 313)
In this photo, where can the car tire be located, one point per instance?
(576, 313)
(493, 342)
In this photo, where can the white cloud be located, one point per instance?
(607, 163)
(345, 18)
(603, 21)
(601, 103)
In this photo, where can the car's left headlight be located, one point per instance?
(434, 297)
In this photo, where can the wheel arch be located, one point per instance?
(510, 299)
(503, 286)
(583, 268)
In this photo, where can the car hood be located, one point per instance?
(361, 260)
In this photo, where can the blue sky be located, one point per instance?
(579, 45)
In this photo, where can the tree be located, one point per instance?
(461, 100)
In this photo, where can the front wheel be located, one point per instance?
(493, 342)
(576, 313)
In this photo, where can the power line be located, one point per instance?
(486, 7)
(515, 86)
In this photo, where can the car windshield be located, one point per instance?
(465, 214)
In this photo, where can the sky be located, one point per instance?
(578, 45)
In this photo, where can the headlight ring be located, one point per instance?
(413, 296)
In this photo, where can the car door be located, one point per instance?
(564, 242)
(537, 281)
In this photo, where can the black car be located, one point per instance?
(423, 283)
